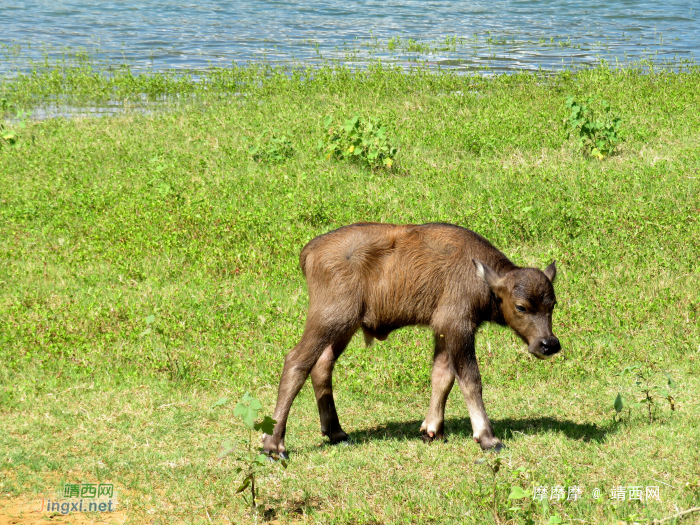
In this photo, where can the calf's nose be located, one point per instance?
(550, 345)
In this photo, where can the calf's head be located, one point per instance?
(526, 299)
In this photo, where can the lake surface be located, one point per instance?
(495, 35)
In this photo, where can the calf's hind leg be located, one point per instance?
(322, 380)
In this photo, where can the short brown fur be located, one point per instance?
(381, 277)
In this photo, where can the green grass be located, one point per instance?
(104, 221)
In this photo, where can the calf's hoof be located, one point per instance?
(430, 433)
(429, 437)
(492, 444)
(276, 456)
(274, 448)
(337, 437)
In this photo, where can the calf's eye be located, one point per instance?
(519, 308)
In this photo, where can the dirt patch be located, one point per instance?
(33, 512)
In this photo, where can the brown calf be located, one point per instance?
(380, 277)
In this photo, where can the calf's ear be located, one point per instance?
(485, 272)
(551, 271)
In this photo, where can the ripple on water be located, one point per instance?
(167, 34)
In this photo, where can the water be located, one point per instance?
(498, 35)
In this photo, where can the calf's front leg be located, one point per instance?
(463, 363)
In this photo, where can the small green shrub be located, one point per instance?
(597, 129)
(9, 134)
(494, 464)
(359, 139)
(410, 45)
(272, 147)
(530, 506)
(253, 460)
(648, 392)
(528, 509)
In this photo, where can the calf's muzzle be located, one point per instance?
(546, 347)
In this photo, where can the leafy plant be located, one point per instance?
(361, 139)
(272, 147)
(618, 405)
(648, 391)
(9, 134)
(597, 129)
(393, 43)
(410, 45)
(494, 464)
(531, 506)
(253, 461)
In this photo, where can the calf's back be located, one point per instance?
(392, 276)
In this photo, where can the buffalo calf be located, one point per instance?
(380, 277)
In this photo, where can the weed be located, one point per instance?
(597, 129)
(618, 405)
(531, 505)
(253, 461)
(414, 46)
(9, 134)
(393, 43)
(648, 391)
(177, 369)
(359, 139)
(272, 147)
(494, 465)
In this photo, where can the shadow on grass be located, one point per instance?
(507, 428)
(295, 509)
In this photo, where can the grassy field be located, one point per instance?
(107, 221)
